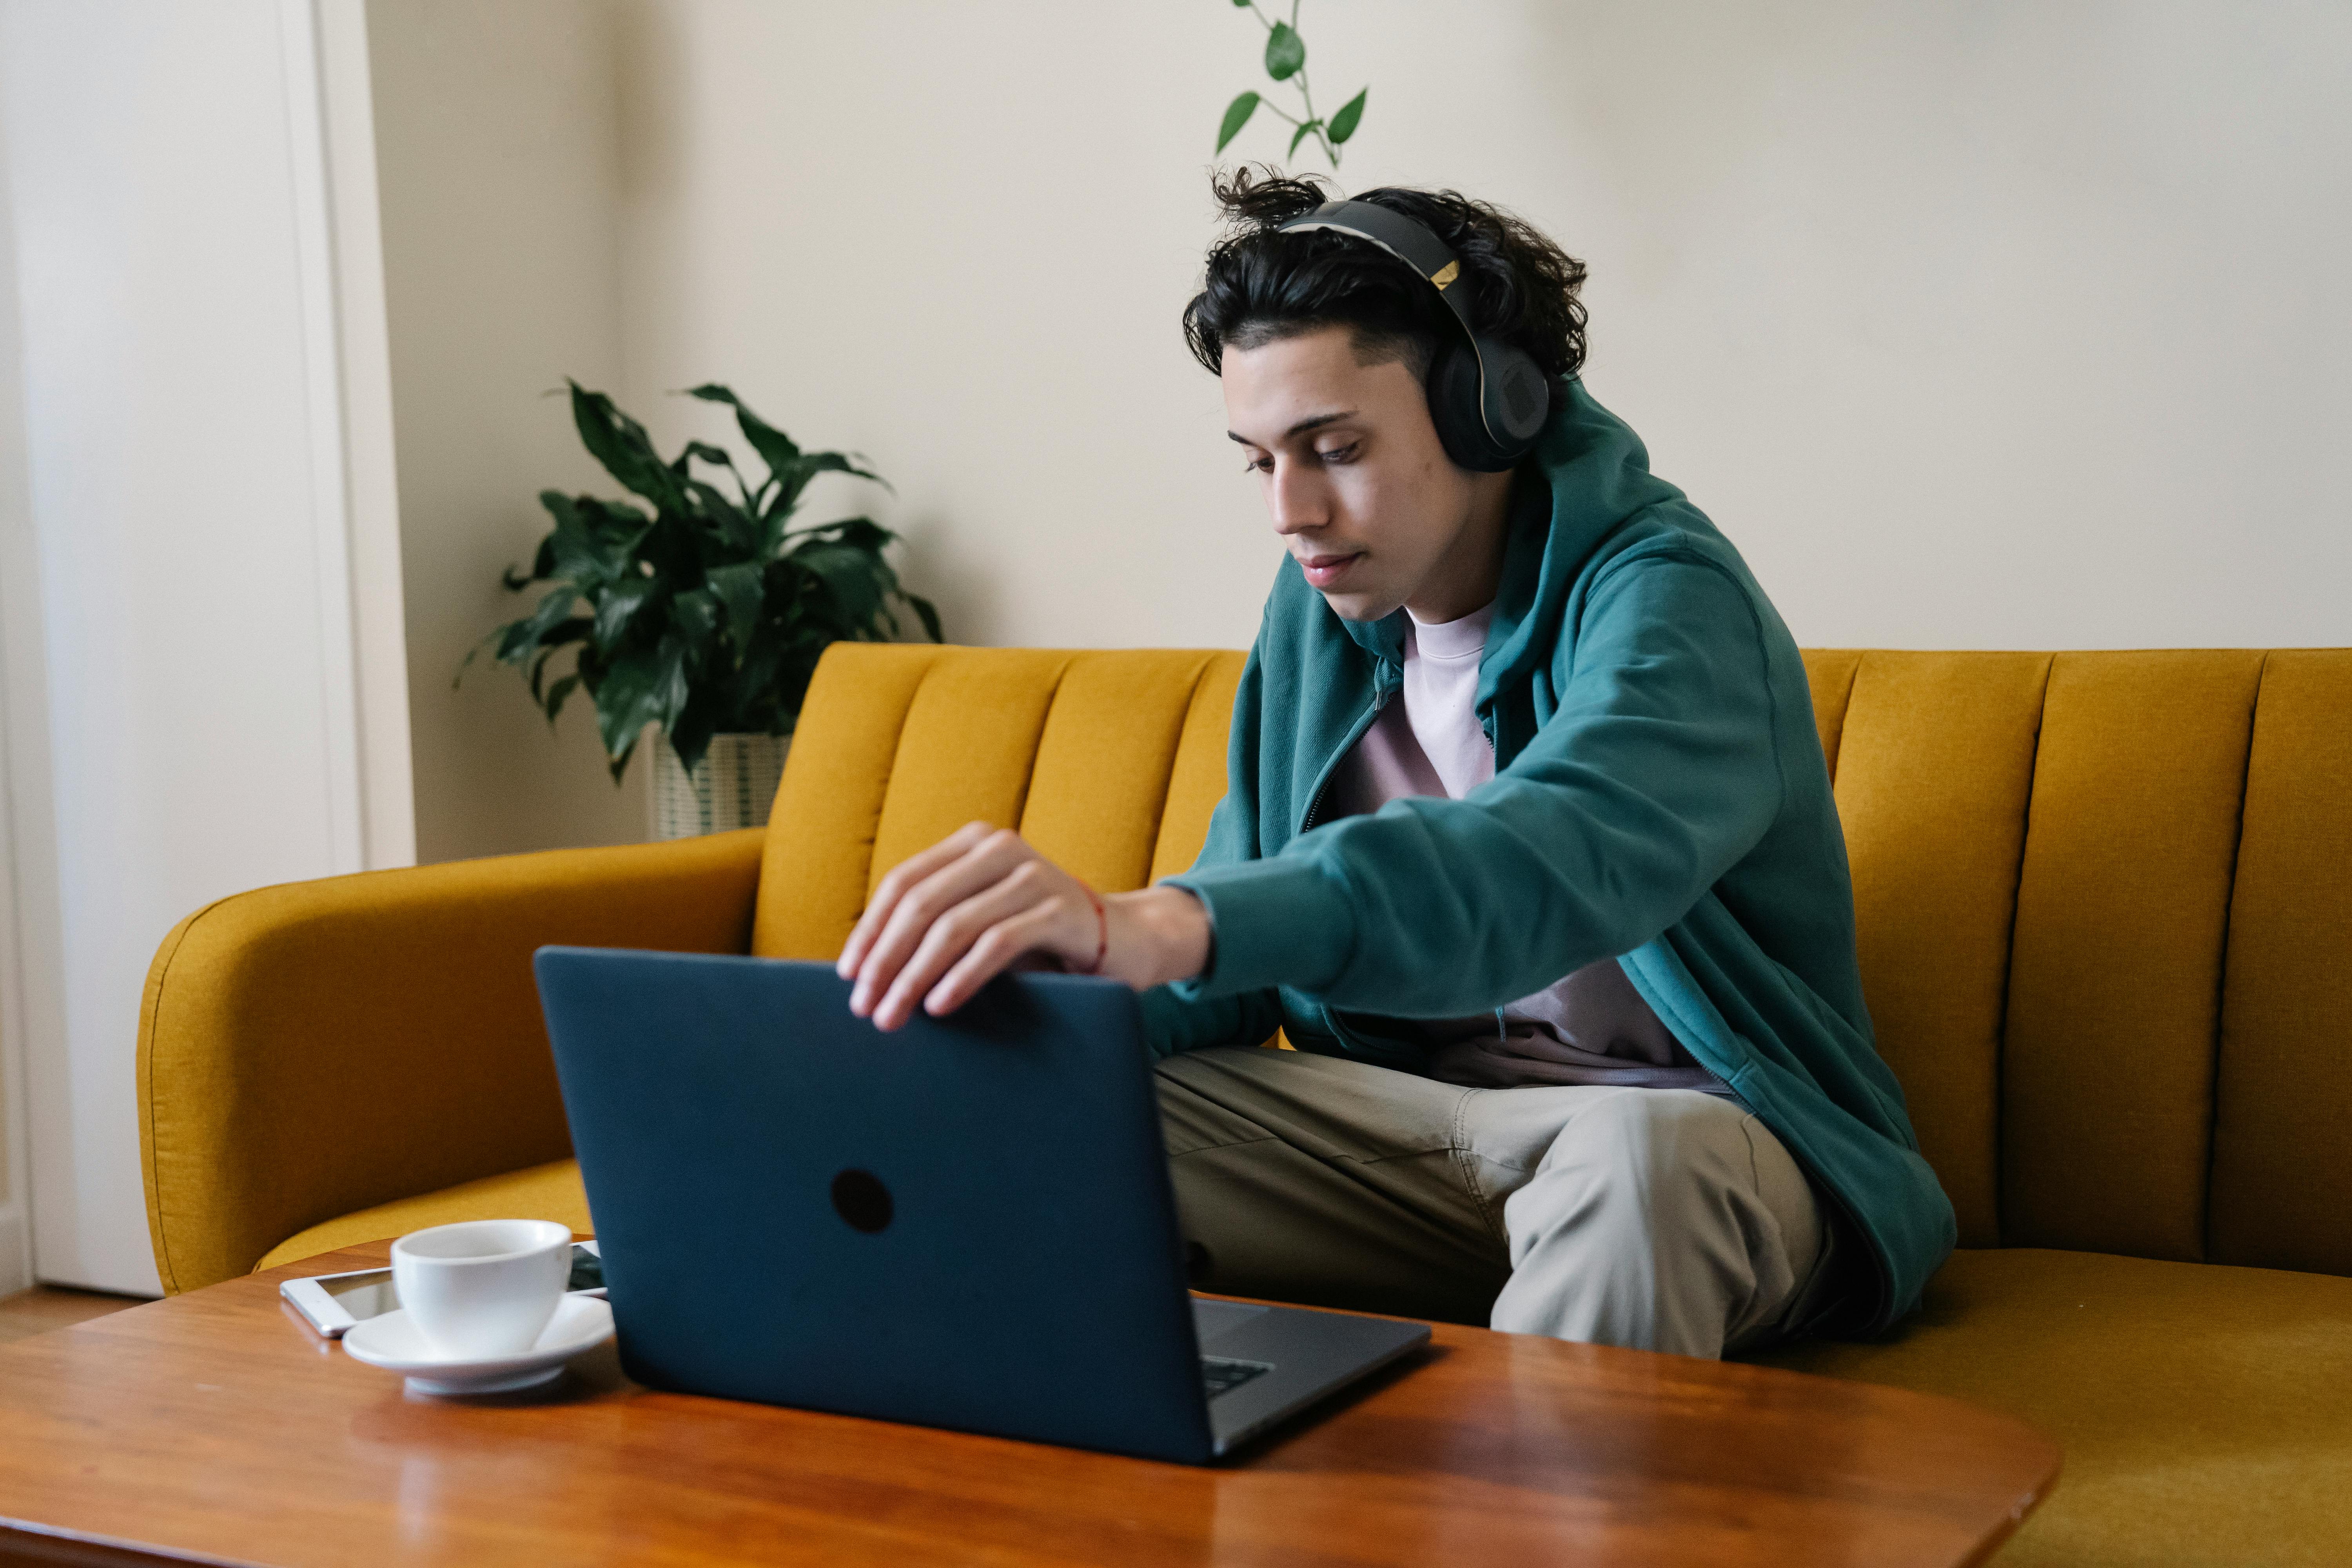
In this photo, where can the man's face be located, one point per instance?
(1359, 488)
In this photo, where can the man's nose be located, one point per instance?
(1296, 498)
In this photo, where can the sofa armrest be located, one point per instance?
(314, 1048)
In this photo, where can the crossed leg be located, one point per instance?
(1661, 1219)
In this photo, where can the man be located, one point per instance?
(1528, 849)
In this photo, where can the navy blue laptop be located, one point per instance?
(967, 1224)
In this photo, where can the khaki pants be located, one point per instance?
(1660, 1219)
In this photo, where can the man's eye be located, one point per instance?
(1346, 454)
(1259, 466)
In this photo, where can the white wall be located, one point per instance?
(498, 153)
(187, 653)
(957, 238)
(1974, 324)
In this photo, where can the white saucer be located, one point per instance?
(390, 1341)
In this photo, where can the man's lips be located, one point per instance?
(1322, 571)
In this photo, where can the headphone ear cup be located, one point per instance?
(1517, 400)
(1513, 405)
(1453, 409)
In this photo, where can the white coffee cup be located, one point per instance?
(482, 1287)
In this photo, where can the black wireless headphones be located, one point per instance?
(1488, 399)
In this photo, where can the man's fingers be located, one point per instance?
(996, 856)
(907, 874)
(949, 938)
(921, 905)
(998, 949)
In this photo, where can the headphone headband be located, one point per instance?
(1398, 235)
(1504, 401)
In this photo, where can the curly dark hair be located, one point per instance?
(1263, 285)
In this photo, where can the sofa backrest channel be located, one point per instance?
(2104, 899)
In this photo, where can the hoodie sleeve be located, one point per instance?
(1655, 774)
(1179, 1019)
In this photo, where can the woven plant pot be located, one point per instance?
(731, 787)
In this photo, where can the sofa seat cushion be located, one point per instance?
(2205, 1411)
(551, 1191)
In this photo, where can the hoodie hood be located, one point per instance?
(1587, 478)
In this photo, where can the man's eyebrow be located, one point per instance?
(1304, 426)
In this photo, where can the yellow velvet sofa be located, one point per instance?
(2106, 914)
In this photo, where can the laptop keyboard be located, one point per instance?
(1222, 1374)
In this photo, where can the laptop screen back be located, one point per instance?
(966, 1223)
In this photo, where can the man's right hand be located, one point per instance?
(982, 901)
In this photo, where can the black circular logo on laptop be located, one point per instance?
(860, 1198)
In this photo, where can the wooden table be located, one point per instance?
(215, 1427)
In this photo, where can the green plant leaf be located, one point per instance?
(789, 469)
(696, 615)
(713, 392)
(776, 450)
(619, 606)
(556, 695)
(752, 693)
(516, 640)
(610, 521)
(673, 550)
(645, 686)
(690, 732)
(593, 541)
(740, 587)
(1301, 134)
(571, 631)
(717, 457)
(621, 444)
(809, 466)
(734, 527)
(1343, 124)
(1285, 51)
(542, 562)
(862, 531)
(1237, 114)
(928, 612)
(853, 578)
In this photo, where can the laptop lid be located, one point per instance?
(790, 1210)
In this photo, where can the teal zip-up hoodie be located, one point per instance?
(1660, 798)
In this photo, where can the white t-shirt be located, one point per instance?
(1589, 1027)
(1441, 697)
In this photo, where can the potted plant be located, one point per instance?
(704, 618)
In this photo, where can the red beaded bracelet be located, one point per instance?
(1102, 923)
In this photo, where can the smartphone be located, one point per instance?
(333, 1303)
